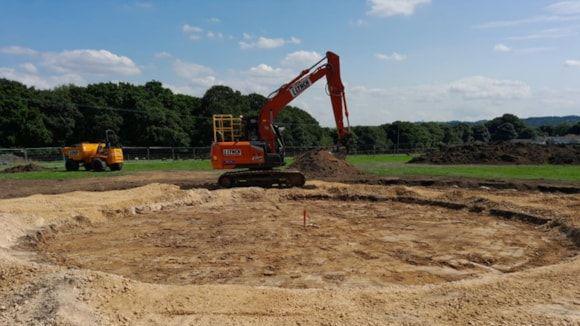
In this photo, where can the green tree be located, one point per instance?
(371, 138)
(528, 133)
(575, 129)
(481, 134)
(505, 132)
(494, 125)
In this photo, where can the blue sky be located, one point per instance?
(418, 60)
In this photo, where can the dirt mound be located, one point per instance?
(502, 153)
(322, 164)
(31, 167)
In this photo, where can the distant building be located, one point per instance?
(569, 139)
(561, 140)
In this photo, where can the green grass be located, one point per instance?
(59, 172)
(384, 165)
(523, 172)
(369, 160)
(394, 165)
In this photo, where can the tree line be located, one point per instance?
(140, 115)
(152, 115)
(407, 135)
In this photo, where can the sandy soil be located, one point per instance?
(372, 255)
(10, 188)
(208, 179)
(260, 239)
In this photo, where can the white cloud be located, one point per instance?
(29, 67)
(213, 35)
(392, 57)
(526, 21)
(572, 63)
(551, 33)
(196, 75)
(565, 8)
(558, 12)
(469, 88)
(471, 98)
(245, 45)
(186, 28)
(264, 70)
(263, 42)
(501, 48)
(536, 49)
(99, 62)
(162, 55)
(301, 59)
(269, 43)
(505, 49)
(294, 40)
(50, 69)
(190, 70)
(358, 23)
(479, 87)
(388, 8)
(195, 33)
(18, 50)
(214, 20)
(194, 37)
(30, 77)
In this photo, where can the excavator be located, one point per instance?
(257, 144)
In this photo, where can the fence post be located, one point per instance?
(25, 155)
(193, 153)
(173, 153)
(148, 154)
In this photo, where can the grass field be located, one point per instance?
(384, 165)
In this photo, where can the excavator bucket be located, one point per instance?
(340, 152)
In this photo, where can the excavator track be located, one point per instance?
(262, 178)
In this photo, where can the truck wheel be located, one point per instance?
(71, 165)
(116, 167)
(98, 165)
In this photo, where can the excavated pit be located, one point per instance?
(257, 237)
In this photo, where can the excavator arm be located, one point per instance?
(288, 92)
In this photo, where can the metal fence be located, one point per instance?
(48, 154)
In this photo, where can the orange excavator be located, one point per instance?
(257, 145)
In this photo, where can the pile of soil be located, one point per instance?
(31, 167)
(502, 153)
(321, 163)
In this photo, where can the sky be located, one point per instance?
(415, 60)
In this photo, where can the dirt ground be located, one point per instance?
(25, 168)
(259, 241)
(370, 254)
(10, 188)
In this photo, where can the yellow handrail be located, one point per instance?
(226, 127)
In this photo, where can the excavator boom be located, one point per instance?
(288, 92)
(257, 145)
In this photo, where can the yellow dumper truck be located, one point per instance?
(94, 156)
